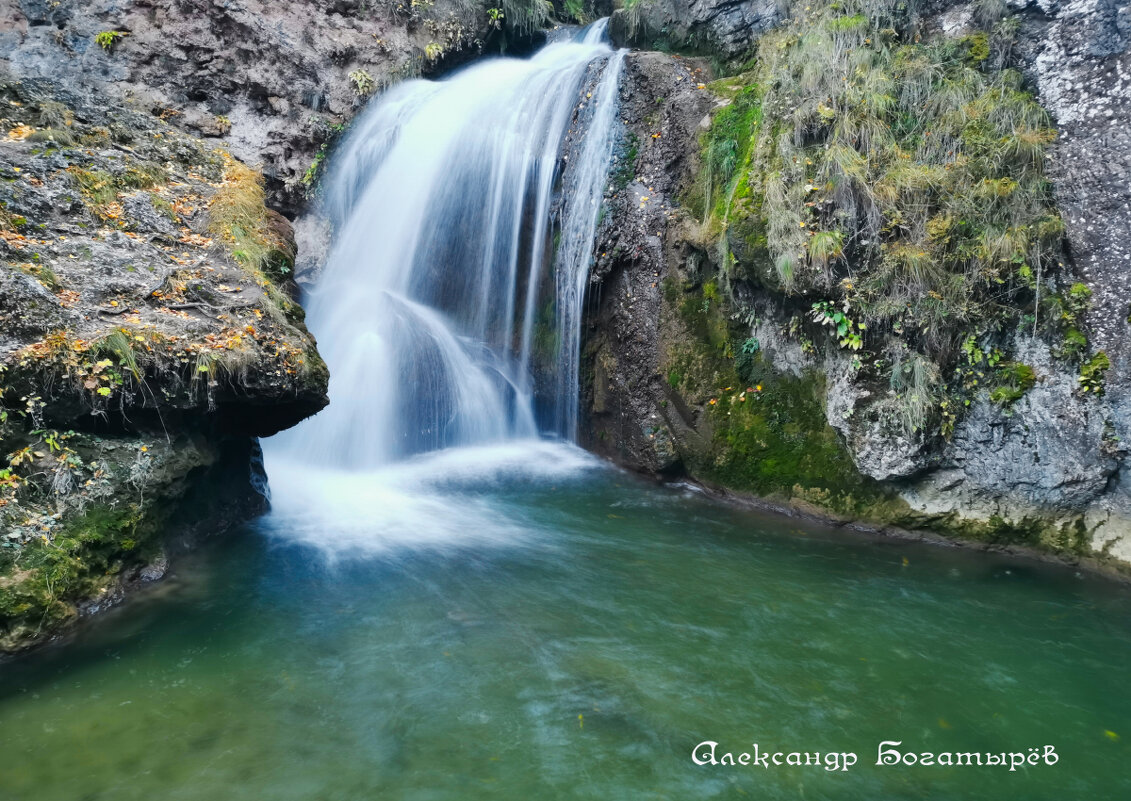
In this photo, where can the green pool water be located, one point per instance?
(537, 626)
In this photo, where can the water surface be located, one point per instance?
(523, 622)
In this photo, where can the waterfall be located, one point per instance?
(583, 190)
(447, 313)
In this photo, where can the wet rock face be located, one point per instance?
(271, 79)
(146, 338)
(724, 27)
(625, 403)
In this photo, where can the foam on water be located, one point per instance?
(438, 500)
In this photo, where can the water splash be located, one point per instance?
(443, 296)
(433, 501)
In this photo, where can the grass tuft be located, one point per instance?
(903, 178)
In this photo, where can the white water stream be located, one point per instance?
(449, 312)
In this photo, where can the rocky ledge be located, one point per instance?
(147, 337)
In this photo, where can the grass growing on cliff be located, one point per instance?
(524, 17)
(239, 217)
(900, 181)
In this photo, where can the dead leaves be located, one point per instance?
(195, 240)
(20, 133)
(14, 240)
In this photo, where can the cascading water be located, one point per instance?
(430, 313)
(447, 313)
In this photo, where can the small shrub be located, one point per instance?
(118, 345)
(108, 40)
(917, 391)
(1092, 374)
(1064, 313)
(363, 83)
(311, 174)
(1017, 379)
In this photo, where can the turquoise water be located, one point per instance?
(543, 627)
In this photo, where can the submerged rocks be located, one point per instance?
(146, 336)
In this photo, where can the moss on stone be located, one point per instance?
(776, 437)
(1069, 539)
(767, 432)
(42, 585)
(901, 178)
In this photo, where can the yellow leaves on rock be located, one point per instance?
(196, 240)
(14, 240)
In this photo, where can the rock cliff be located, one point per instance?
(146, 338)
(273, 81)
(754, 327)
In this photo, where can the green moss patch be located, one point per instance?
(899, 183)
(42, 582)
(767, 433)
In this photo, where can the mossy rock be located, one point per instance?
(42, 586)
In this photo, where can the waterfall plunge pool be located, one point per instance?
(518, 620)
(523, 621)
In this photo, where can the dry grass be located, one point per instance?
(239, 218)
